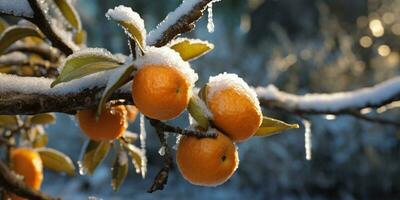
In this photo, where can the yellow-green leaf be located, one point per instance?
(138, 158)
(131, 22)
(69, 13)
(43, 118)
(8, 120)
(95, 152)
(3, 25)
(119, 170)
(118, 78)
(199, 111)
(80, 37)
(270, 126)
(56, 161)
(191, 49)
(86, 62)
(15, 33)
(40, 140)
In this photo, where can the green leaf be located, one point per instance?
(138, 158)
(191, 49)
(86, 62)
(199, 111)
(15, 33)
(118, 78)
(119, 170)
(3, 25)
(8, 120)
(95, 152)
(56, 161)
(270, 126)
(43, 118)
(69, 13)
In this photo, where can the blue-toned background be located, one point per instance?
(300, 46)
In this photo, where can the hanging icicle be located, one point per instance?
(307, 138)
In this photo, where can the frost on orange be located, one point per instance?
(234, 106)
(110, 125)
(160, 92)
(207, 161)
(27, 163)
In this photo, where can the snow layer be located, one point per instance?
(16, 8)
(225, 80)
(171, 19)
(167, 56)
(336, 101)
(14, 57)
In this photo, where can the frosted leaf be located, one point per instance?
(168, 57)
(225, 80)
(16, 8)
(307, 139)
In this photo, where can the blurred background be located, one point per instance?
(300, 46)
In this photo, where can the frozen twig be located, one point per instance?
(167, 128)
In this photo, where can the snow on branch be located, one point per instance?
(16, 7)
(179, 21)
(335, 103)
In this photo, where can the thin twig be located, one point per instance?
(168, 128)
(375, 119)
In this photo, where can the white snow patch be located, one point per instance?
(16, 8)
(307, 139)
(172, 17)
(226, 80)
(126, 14)
(168, 57)
(370, 96)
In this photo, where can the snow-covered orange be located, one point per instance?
(207, 161)
(234, 106)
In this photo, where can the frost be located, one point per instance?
(126, 14)
(67, 37)
(334, 101)
(143, 144)
(225, 80)
(172, 17)
(307, 139)
(16, 8)
(167, 56)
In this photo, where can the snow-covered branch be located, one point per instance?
(334, 103)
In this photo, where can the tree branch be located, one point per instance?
(167, 128)
(12, 184)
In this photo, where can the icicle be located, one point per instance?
(210, 24)
(143, 144)
(161, 151)
(307, 138)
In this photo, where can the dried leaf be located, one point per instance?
(270, 126)
(15, 33)
(191, 49)
(86, 62)
(119, 170)
(43, 118)
(69, 13)
(95, 152)
(56, 161)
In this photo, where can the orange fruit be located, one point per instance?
(234, 106)
(160, 92)
(131, 112)
(207, 161)
(110, 125)
(27, 163)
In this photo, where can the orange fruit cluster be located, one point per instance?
(110, 125)
(27, 163)
(237, 116)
